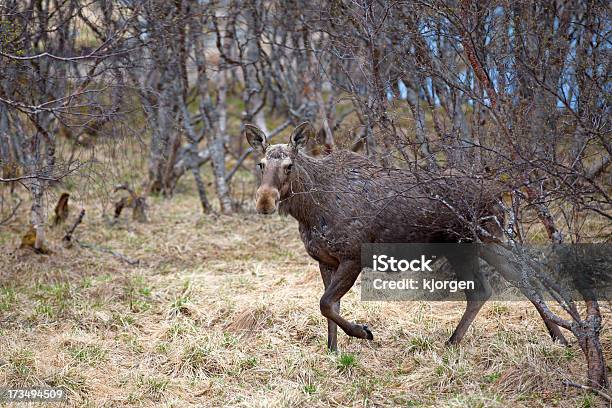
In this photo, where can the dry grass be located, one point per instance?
(223, 311)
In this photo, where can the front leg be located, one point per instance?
(340, 283)
(332, 328)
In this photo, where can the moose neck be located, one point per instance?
(305, 191)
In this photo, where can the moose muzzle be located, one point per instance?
(267, 200)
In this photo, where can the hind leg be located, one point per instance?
(471, 310)
(466, 269)
(493, 256)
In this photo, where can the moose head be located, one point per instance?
(276, 165)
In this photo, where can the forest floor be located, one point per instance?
(224, 311)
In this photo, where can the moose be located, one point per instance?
(343, 200)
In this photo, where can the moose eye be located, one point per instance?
(261, 166)
(288, 168)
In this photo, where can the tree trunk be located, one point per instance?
(37, 214)
(160, 142)
(210, 116)
(588, 336)
(195, 170)
(37, 210)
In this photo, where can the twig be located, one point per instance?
(68, 236)
(58, 177)
(587, 388)
(32, 176)
(12, 214)
(129, 261)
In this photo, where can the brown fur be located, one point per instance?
(345, 200)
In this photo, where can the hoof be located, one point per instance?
(452, 341)
(369, 335)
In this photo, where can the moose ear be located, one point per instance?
(300, 135)
(320, 138)
(256, 138)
